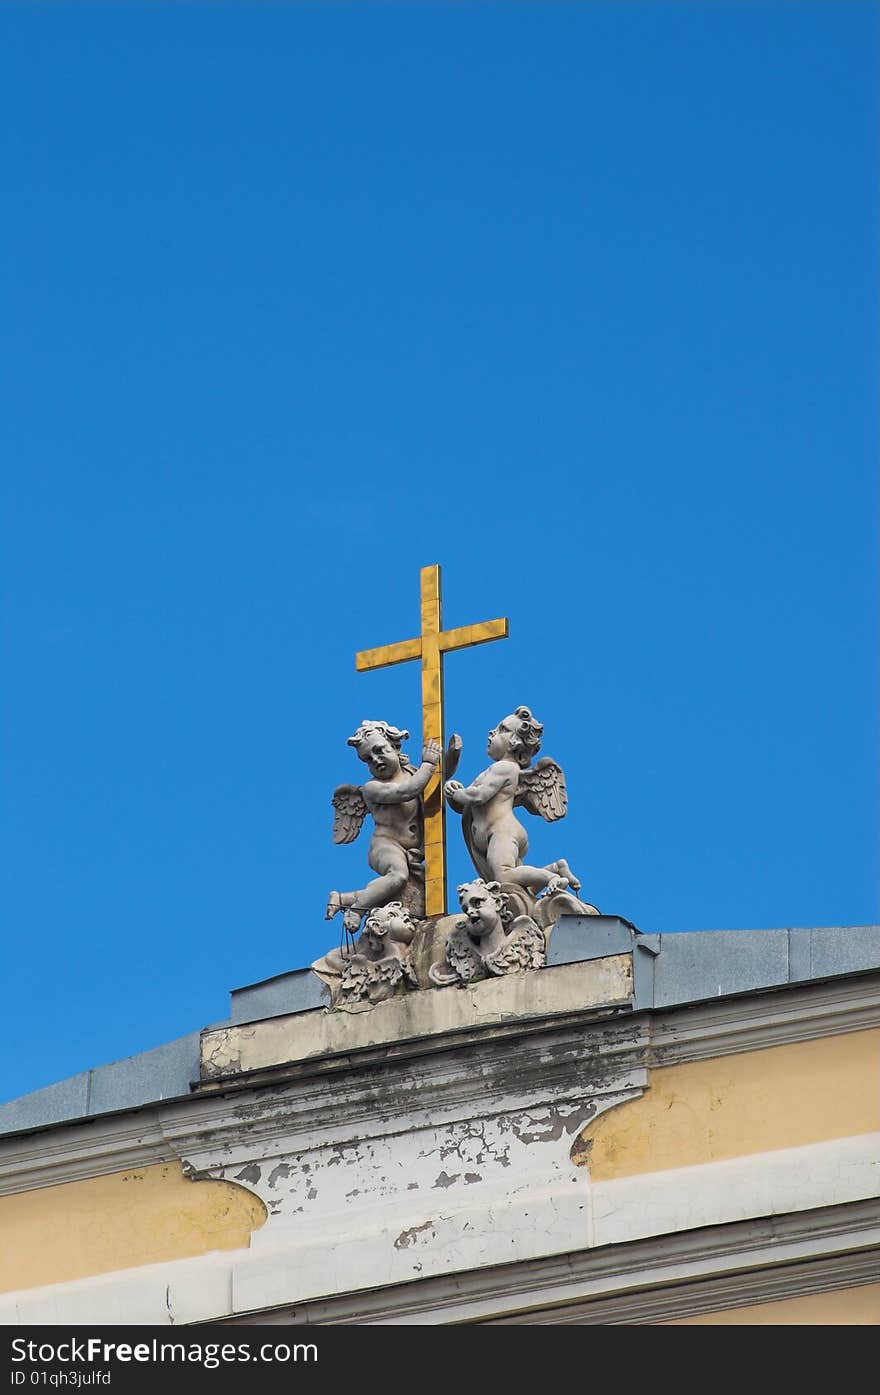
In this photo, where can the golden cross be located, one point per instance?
(430, 646)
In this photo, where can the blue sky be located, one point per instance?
(578, 300)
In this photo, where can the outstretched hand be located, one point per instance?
(454, 792)
(431, 752)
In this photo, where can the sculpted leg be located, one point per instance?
(338, 901)
(503, 858)
(503, 855)
(562, 869)
(390, 862)
(537, 879)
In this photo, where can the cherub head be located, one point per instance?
(485, 905)
(517, 737)
(387, 929)
(378, 745)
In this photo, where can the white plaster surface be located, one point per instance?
(551, 1208)
(759, 1184)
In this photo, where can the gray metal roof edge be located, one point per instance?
(163, 1072)
(273, 978)
(70, 1121)
(670, 969)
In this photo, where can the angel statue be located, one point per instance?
(496, 840)
(393, 796)
(490, 939)
(379, 962)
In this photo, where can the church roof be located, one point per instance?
(669, 970)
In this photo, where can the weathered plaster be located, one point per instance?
(448, 1162)
(111, 1223)
(411, 1163)
(552, 992)
(704, 1111)
(716, 1193)
(775, 1255)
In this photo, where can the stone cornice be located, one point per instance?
(90, 1148)
(475, 1012)
(376, 1099)
(408, 1085)
(693, 1299)
(753, 1022)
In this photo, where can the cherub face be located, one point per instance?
(479, 906)
(380, 756)
(390, 922)
(500, 738)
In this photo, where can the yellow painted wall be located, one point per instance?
(845, 1307)
(129, 1218)
(729, 1106)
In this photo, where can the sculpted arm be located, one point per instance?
(485, 788)
(378, 792)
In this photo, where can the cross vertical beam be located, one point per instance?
(433, 729)
(432, 643)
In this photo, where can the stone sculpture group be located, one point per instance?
(508, 909)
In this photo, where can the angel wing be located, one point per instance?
(460, 962)
(542, 790)
(351, 811)
(524, 948)
(460, 955)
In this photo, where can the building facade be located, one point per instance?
(651, 1129)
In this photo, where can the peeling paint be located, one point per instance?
(251, 1173)
(408, 1237)
(581, 1150)
(444, 1180)
(474, 1147)
(557, 1123)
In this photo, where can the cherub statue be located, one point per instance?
(393, 796)
(379, 961)
(496, 840)
(489, 940)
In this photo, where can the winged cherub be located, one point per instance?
(496, 840)
(379, 961)
(393, 796)
(489, 940)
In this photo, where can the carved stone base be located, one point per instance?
(341, 968)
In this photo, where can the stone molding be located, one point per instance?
(374, 1098)
(642, 1281)
(442, 1077)
(754, 1022)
